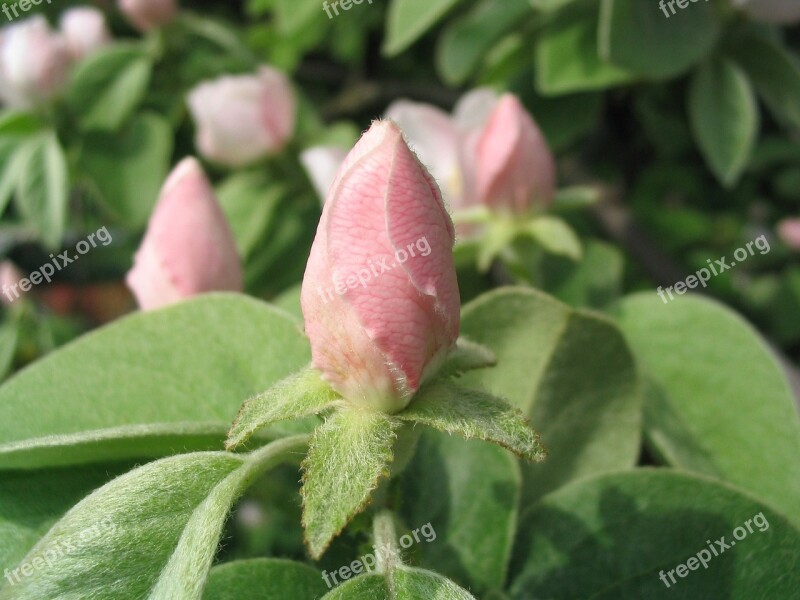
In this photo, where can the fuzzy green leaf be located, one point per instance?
(466, 357)
(474, 414)
(151, 533)
(264, 579)
(407, 584)
(300, 395)
(555, 236)
(348, 455)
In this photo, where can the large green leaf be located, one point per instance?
(264, 579)
(466, 41)
(570, 371)
(148, 385)
(469, 493)
(43, 188)
(410, 19)
(724, 116)
(32, 501)
(718, 402)
(594, 282)
(613, 536)
(638, 36)
(129, 167)
(109, 85)
(151, 533)
(567, 58)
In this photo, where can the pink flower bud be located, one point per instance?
(33, 63)
(789, 232)
(380, 296)
(243, 118)
(9, 282)
(85, 31)
(189, 248)
(772, 11)
(146, 15)
(514, 169)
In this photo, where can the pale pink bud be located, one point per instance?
(146, 15)
(33, 63)
(380, 296)
(241, 118)
(789, 232)
(321, 164)
(85, 31)
(9, 282)
(189, 248)
(772, 11)
(436, 139)
(515, 170)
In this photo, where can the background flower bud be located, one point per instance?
(771, 11)
(515, 170)
(84, 30)
(189, 248)
(241, 118)
(789, 232)
(149, 14)
(321, 164)
(380, 296)
(33, 63)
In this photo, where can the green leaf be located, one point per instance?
(466, 357)
(775, 73)
(637, 35)
(128, 168)
(466, 41)
(565, 120)
(473, 414)
(719, 402)
(149, 384)
(16, 129)
(348, 455)
(250, 202)
(294, 15)
(43, 188)
(9, 339)
(32, 501)
(108, 86)
(567, 58)
(570, 371)
(408, 20)
(611, 537)
(555, 236)
(300, 395)
(407, 584)
(724, 117)
(469, 493)
(594, 282)
(495, 238)
(151, 533)
(263, 579)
